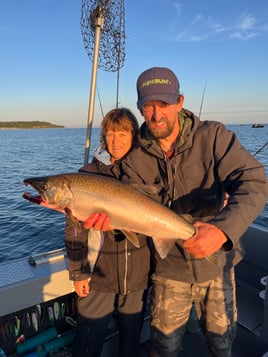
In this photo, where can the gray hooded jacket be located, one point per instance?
(209, 161)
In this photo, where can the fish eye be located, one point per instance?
(44, 187)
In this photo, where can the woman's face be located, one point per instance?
(118, 143)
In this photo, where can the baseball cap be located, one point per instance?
(157, 83)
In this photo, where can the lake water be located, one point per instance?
(25, 228)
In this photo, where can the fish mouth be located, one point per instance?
(37, 199)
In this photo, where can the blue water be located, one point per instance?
(26, 228)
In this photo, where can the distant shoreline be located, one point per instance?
(13, 125)
(43, 127)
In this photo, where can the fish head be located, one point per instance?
(54, 191)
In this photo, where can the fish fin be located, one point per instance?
(75, 223)
(148, 190)
(95, 243)
(188, 218)
(132, 237)
(163, 246)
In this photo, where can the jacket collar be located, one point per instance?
(102, 155)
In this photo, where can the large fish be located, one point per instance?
(79, 195)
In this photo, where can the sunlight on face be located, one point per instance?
(160, 117)
(118, 143)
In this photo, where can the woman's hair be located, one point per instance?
(119, 119)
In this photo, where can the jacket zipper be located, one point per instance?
(126, 269)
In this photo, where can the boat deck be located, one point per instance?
(252, 302)
(246, 344)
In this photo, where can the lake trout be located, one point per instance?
(130, 210)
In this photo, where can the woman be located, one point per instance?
(120, 276)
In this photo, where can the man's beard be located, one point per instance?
(160, 133)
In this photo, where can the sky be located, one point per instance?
(218, 49)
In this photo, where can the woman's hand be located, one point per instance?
(82, 287)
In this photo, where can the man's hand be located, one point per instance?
(82, 287)
(206, 241)
(98, 221)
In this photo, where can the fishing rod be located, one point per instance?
(202, 100)
(260, 149)
(100, 102)
(200, 111)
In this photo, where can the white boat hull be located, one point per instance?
(23, 285)
(40, 279)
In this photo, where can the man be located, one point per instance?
(198, 164)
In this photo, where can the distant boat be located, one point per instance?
(257, 125)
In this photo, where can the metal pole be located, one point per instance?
(117, 86)
(99, 26)
(118, 62)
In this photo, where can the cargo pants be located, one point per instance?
(215, 304)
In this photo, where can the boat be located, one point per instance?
(257, 125)
(38, 315)
(38, 306)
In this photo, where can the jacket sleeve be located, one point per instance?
(77, 250)
(243, 178)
